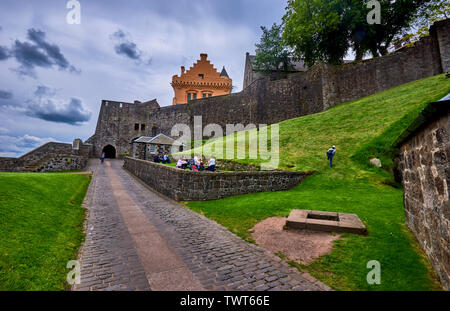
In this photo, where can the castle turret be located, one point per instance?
(200, 81)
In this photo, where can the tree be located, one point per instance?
(325, 30)
(430, 13)
(397, 17)
(271, 53)
(316, 31)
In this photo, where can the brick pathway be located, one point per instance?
(208, 256)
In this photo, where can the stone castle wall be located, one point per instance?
(270, 100)
(263, 102)
(440, 30)
(185, 185)
(359, 79)
(425, 171)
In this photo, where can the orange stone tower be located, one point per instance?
(200, 81)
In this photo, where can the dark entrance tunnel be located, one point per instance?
(110, 152)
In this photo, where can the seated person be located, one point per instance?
(197, 161)
(166, 158)
(201, 167)
(191, 164)
(156, 158)
(212, 164)
(181, 163)
(161, 158)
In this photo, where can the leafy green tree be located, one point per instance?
(430, 13)
(397, 17)
(325, 30)
(271, 52)
(316, 30)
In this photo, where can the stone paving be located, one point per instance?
(217, 258)
(109, 260)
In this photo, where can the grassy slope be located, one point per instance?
(40, 227)
(360, 129)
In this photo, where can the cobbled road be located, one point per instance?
(137, 239)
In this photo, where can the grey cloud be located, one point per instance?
(37, 53)
(4, 53)
(29, 55)
(129, 49)
(52, 50)
(16, 145)
(125, 46)
(5, 94)
(43, 90)
(49, 108)
(46, 105)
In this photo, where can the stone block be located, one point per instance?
(325, 221)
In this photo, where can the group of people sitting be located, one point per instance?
(197, 164)
(161, 158)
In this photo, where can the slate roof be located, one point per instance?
(159, 139)
(224, 73)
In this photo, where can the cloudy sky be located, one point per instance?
(54, 74)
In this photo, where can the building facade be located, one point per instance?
(201, 80)
(145, 147)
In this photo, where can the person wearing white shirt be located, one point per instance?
(212, 164)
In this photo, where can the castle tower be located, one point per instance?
(200, 81)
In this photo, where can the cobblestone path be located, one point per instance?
(139, 240)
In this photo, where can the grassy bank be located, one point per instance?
(361, 129)
(41, 225)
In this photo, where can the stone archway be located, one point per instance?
(110, 152)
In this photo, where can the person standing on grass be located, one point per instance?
(330, 154)
(102, 157)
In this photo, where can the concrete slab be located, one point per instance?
(325, 221)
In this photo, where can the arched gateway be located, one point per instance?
(110, 152)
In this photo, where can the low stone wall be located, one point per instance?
(50, 157)
(185, 185)
(226, 165)
(9, 164)
(64, 163)
(424, 166)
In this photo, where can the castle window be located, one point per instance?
(136, 126)
(204, 95)
(189, 96)
(195, 95)
(201, 75)
(153, 149)
(142, 127)
(209, 95)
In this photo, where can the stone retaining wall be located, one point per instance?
(424, 165)
(50, 157)
(185, 185)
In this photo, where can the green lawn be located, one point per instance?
(41, 228)
(360, 129)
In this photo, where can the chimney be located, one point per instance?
(182, 69)
(203, 56)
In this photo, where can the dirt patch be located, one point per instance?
(302, 246)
